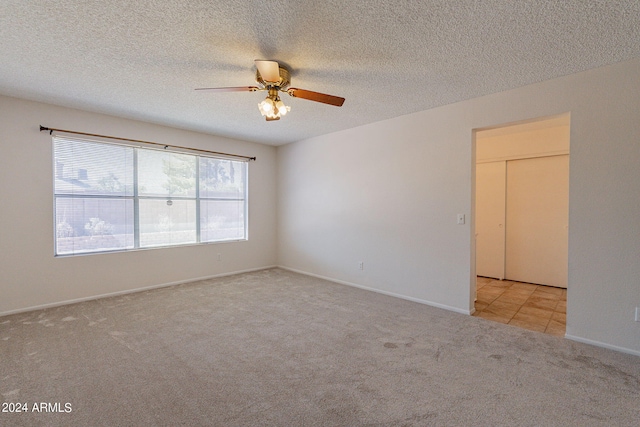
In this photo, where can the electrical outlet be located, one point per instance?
(361, 265)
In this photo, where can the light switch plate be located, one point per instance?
(460, 219)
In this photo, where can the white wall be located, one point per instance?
(30, 276)
(388, 194)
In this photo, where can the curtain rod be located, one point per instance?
(51, 130)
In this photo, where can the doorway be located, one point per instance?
(521, 223)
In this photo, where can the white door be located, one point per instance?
(537, 216)
(490, 219)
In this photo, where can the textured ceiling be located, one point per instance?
(142, 59)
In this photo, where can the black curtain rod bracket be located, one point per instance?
(51, 130)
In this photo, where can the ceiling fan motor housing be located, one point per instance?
(285, 79)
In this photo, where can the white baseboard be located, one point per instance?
(129, 291)
(603, 345)
(392, 294)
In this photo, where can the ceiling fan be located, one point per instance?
(273, 78)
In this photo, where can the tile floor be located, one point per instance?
(535, 307)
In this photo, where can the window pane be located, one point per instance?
(166, 174)
(222, 178)
(164, 222)
(222, 220)
(117, 197)
(92, 168)
(93, 225)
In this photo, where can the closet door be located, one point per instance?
(490, 219)
(537, 218)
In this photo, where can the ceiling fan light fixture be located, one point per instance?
(272, 108)
(267, 107)
(282, 109)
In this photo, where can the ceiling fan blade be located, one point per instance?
(269, 70)
(230, 89)
(316, 96)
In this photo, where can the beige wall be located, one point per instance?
(523, 236)
(31, 276)
(548, 137)
(388, 194)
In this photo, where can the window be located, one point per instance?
(112, 197)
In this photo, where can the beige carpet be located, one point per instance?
(275, 348)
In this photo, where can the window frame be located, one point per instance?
(136, 197)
